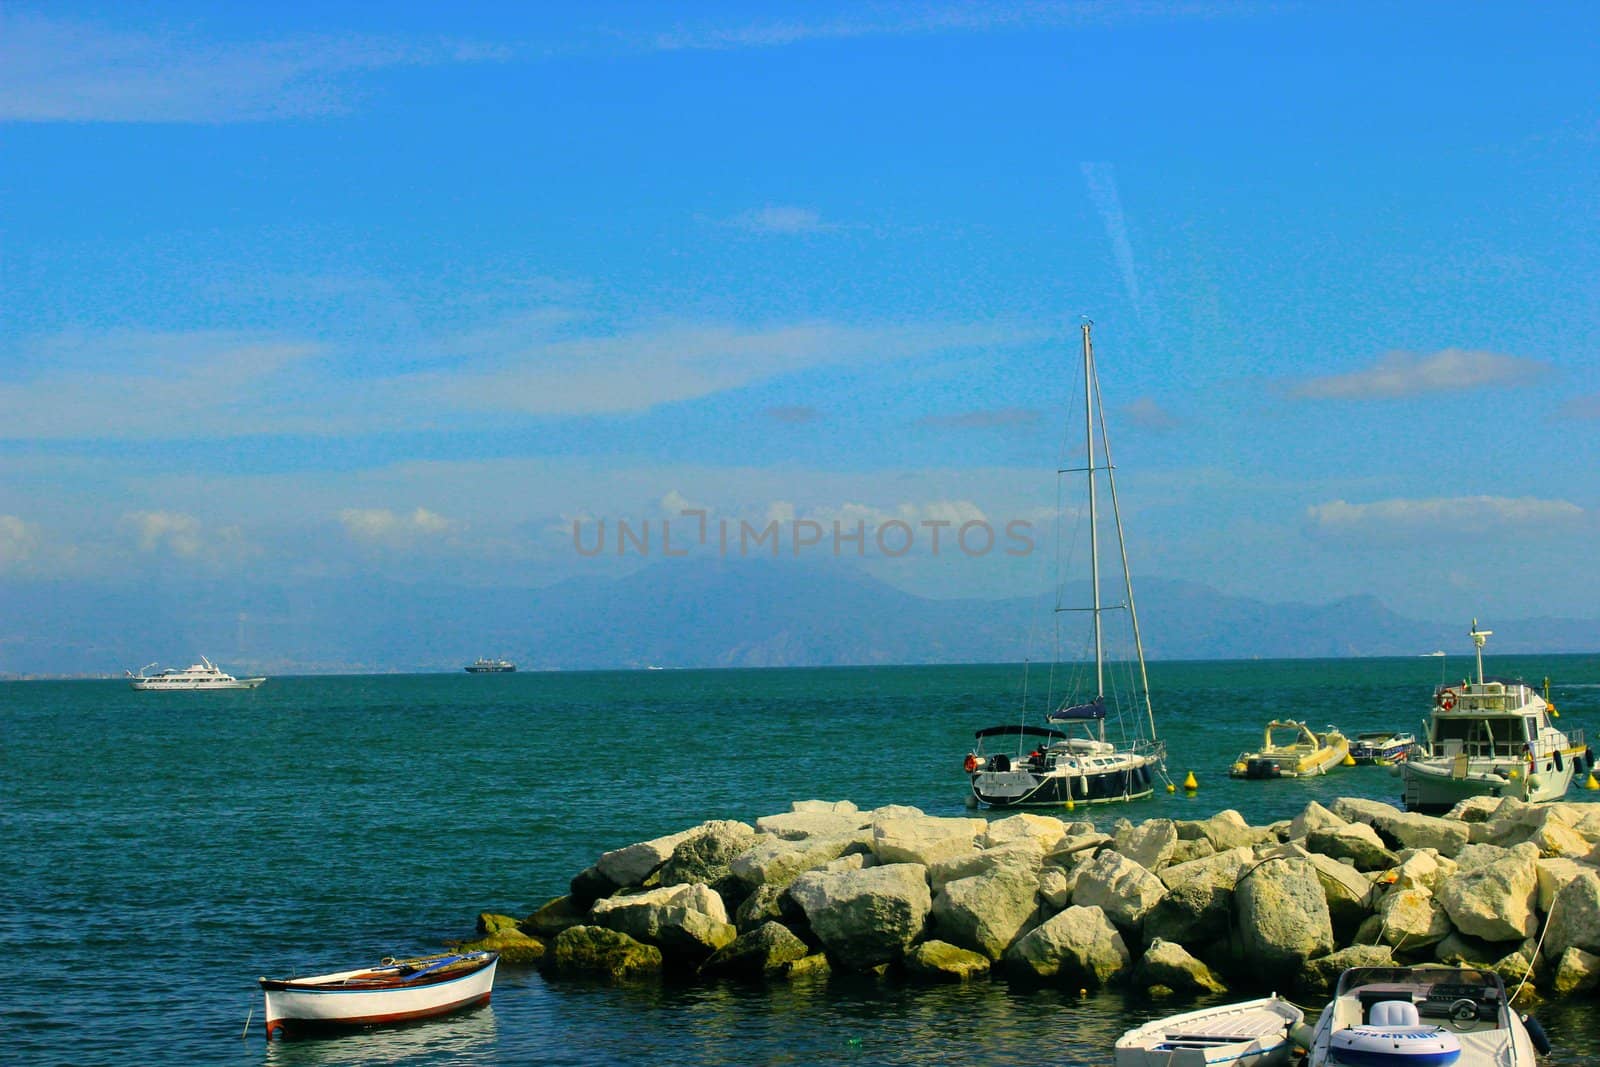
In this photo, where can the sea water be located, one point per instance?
(161, 851)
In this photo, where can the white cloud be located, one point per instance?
(1443, 517)
(144, 384)
(1146, 413)
(1400, 374)
(665, 364)
(782, 219)
(917, 19)
(19, 542)
(381, 526)
(60, 70)
(186, 537)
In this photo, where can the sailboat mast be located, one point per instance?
(1094, 525)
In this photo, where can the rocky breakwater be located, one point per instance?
(1166, 906)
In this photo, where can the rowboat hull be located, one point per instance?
(341, 1001)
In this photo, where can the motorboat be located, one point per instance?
(1256, 1033)
(202, 675)
(394, 991)
(490, 666)
(1099, 744)
(1291, 749)
(1492, 737)
(1423, 1017)
(1383, 747)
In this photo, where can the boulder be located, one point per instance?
(1479, 855)
(988, 911)
(766, 950)
(1574, 918)
(1459, 950)
(687, 922)
(1497, 901)
(555, 916)
(800, 825)
(1554, 874)
(1349, 894)
(1074, 844)
(1412, 919)
(503, 934)
(595, 950)
(1356, 842)
(1358, 809)
(1421, 868)
(1055, 888)
(1023, 854)
(770, 903)
(1576, 971)
(1187, 850)
(1227, 829)
(630, 866)
(589, 885)
(835, 807)
(706, 854)
(1558, 839)
(1314, 817)
(1321, 974)
(1149, 844)
(924, 840)
(815, 965)
(1473, 809)
(1079, 946)
(1410, 829)
(1120, 887)
(1196, 908)
(865, 918)
(1283, 916)
(1046, 830)
(940, 961)
(779, 861)
(1167, 963)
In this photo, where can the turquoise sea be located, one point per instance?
(162, 850)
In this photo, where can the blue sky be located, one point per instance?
(328, 289)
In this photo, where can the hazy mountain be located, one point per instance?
(680, 614)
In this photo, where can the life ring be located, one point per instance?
(971, 764)
(1446, 701)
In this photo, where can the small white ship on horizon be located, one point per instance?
(202, 675)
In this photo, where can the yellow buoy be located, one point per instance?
(1514, 773)
(1171, 788)
(1070, 804)
(1591, 783)
(1190, 784)
(1349, 760)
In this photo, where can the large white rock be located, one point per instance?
(1120, 887)
(836, 807)
(926, 839)
(1169, 964)
(1411, 829)
(1149, 844)
(1046, 830)
(685, 921)
(1313, 817)
(1554, 874)
(1079, 945)
(1495, 901)
(1355, 841)
(988, 911)
(864, 918)
(779, 861)
(631, 865)
(1422, 868)
(1022, 853)
(1283, 915)
(1350, 895)
(799, 825)
(1574, 918)
(705, 855)
(1412, 919)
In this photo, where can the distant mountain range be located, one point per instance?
(679, 614)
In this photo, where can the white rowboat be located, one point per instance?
(1256, 1033)
(395, 991)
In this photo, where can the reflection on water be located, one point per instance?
(465, 1038)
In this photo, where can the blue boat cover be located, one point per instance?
(1095, 709)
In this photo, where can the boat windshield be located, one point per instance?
(1431, 982)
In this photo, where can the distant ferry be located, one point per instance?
(490, 666)
(202, 675)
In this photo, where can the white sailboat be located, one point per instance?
(1074, 759)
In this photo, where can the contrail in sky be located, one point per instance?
(1102, 181)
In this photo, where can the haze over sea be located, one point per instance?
(163, 850)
